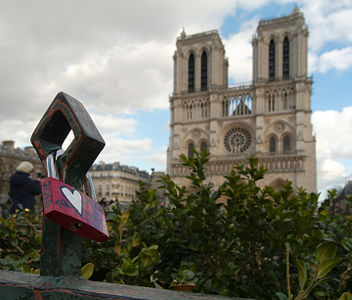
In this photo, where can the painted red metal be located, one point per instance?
(73, 210)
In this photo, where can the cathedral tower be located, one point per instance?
(269, 118)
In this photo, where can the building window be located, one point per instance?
(237, 140)
(287, 143)
(271, 103)
(204, 147)
(204, 72)
(272, 60)
(286, 59)
(190, 150)
(225, 107)
(191, 73)
(272, 145)
(285, 101)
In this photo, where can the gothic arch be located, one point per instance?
(270, 37)
(287, 142)
(284, 34)
(195, 135)
(204, 48)
(272, 143)
(203, 144)
(190, 148)
(279, 128)
(278, 184)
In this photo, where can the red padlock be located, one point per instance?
(72, 209)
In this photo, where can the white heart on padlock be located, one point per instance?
(74, 197)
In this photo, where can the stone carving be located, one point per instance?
(196, 134)
(279, 127)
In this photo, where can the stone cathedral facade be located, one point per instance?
(270, 118)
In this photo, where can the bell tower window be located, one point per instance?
(191, 73)
(204, 72)
(272, 60)
(286, 58)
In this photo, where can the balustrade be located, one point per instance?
(279, 164)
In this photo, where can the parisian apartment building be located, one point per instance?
(112, 181)
(117, 182)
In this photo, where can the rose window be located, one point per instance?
(237, 140)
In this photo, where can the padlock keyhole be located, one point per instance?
(75, 226)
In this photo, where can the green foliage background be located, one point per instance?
(238, 240)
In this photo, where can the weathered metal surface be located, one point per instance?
(63, 115)
(61, 249)
(15, 285)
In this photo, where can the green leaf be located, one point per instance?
(327, 266)
(281, 296)
(187, 275)
(87, 270)
(325, 250)
(125, 216)
(129, 267)
(117, 249)
(346, 296)
(302, 273)
(320, 294)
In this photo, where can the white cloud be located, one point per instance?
(17, 130)
(123, 150)
(158, 161)
(338, 59)
(330, 34)
(239, 51)
(109, 124)
(333, 132)
(329, 21)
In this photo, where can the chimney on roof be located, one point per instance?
(30, 150)
(8, 145)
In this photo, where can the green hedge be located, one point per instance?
(262, 243)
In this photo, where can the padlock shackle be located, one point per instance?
(52, 172)
(50, 166)
(91, 186)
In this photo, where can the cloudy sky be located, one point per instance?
(116, 58)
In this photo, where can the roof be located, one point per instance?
(347, 190)
(18, 153)
(121, 168)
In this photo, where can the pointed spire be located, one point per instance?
(295, 10)
(183, 33)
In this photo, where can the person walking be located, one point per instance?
(23, 188)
